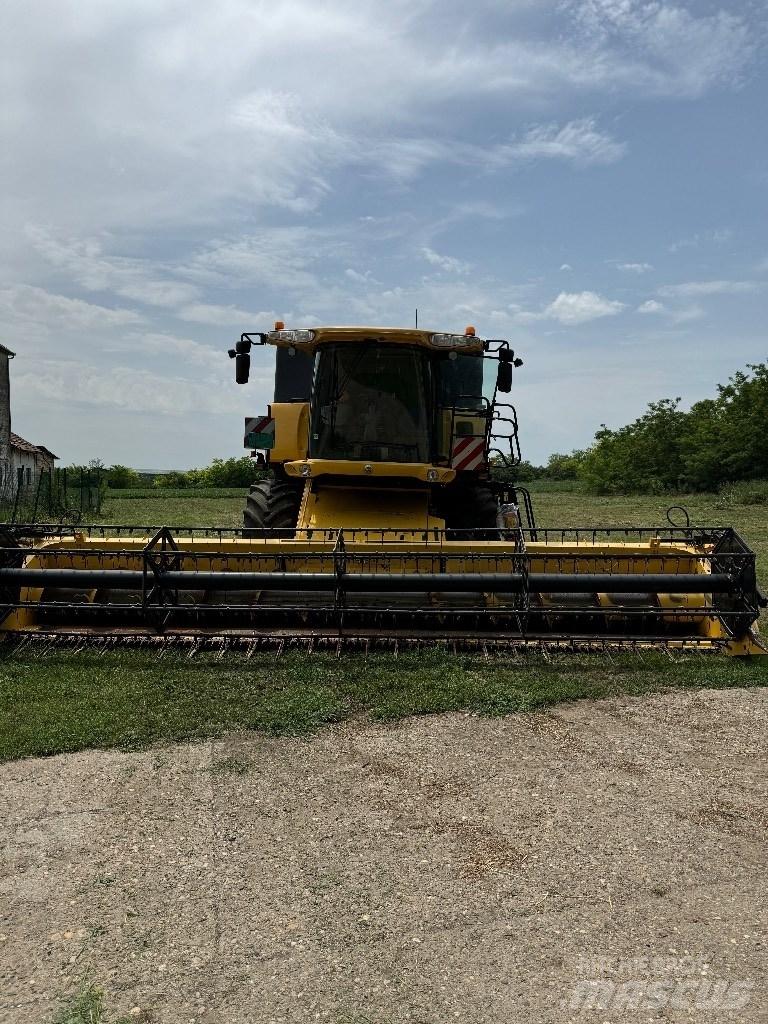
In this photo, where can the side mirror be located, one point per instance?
(240, 353)
(504, 377)
(242, 367)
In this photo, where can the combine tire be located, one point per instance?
(271, 505)
(471, 505)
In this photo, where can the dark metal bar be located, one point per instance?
(547, 583)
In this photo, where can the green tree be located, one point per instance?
(220, 473)
(719, 440)
(174, 479)
(563, 467)
(120, 477)
(644, 456)
(230, 473)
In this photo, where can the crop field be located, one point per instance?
(67, 701)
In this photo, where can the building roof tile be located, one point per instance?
(27, 446)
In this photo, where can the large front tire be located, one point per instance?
(470, 504)
(271, 505)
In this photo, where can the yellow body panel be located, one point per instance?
(369, 470)
(291, 431)
(359, 509)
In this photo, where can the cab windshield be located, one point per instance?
(371, 402)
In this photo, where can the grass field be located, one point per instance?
(65, 701)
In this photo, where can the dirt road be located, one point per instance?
(542, 868)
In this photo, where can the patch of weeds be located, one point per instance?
(85, 1007)
(230, 766)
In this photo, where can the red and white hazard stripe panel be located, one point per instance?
(259, 425)
(468, 453)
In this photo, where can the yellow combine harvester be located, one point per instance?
(377, 516)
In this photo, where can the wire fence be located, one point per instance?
(63, 495)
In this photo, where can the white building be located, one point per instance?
(20, 460)
(29, 460)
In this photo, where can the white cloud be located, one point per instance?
(449, 264)
(702, 238)
(685, 314)
(571, 308)
(365, 278)
(566, 266)
(27, 304)
(279, 257)
(578, 142)
(635, 268)
(694, 288)
(181, 350)
(666, 48)
(405, 159)
(650, 306)
(677, 315)
(122, 388)
(89, 266)
(177, 118)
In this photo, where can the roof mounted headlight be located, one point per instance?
(290, 337)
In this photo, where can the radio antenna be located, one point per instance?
(417, 318)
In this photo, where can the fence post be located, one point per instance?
(37, 496)
(19, 479)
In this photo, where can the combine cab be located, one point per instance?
(377, 516)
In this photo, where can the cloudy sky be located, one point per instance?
(585, 177)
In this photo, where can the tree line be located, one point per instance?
(240, 472)
(717, 441)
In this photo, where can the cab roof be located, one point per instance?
(385, 335)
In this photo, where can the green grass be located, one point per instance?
(71, 701)
(65, 701)
(86, 1006)
(154, 506)
(171, 493)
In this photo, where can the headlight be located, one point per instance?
(291, 337)
(455, 341)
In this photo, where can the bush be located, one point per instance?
(174, 479)
(228, 473)
(221, 473)
(120, 477)
(523, 472)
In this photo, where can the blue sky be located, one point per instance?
(588, 179)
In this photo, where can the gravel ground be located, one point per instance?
(439, 869)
